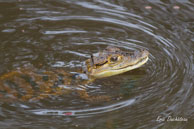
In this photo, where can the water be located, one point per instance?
(63, 33)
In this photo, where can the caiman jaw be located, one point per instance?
(117, 63)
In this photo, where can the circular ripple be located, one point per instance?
(166, 68)
(64, 39)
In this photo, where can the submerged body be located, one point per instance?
(34, 84)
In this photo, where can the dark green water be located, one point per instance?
(63, 33)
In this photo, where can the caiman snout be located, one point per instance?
(141, 54)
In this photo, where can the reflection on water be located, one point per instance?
(62, 34)
(85, 112)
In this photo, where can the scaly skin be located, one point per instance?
(30, 84)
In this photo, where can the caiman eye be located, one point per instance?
(114, 58)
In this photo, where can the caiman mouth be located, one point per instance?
(143, 60)
(115, 62)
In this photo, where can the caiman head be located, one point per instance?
(113, 61)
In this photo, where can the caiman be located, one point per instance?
(28, 84)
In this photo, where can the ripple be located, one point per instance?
(64, 31)
(8, 30)
(76, 29)
(85, 112)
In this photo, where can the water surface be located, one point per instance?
(63, 33)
